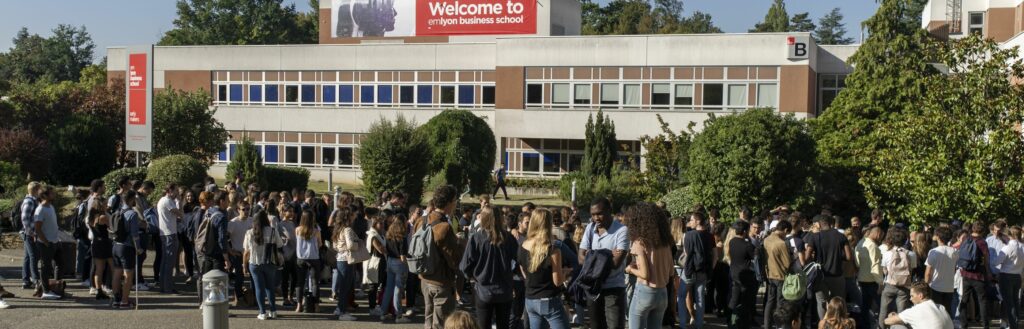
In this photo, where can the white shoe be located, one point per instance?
(50, 296)
(403, 319)
(337, 311)
(93, 291)
(272, 315)
(108, 291)
(261, 317)
(4, 305)
(346, 317)
(409, 312)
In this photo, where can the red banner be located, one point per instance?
(137, 89)
(461, 17)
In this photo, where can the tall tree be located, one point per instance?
(776, 20)
(60, 57)
(236, 22)
(247, 164)
(309, 23)
(600, 149)
(641, 17)
(801, 23)
(831, 30)
(911, 13)
(183, 123)
(462, 149)
(699, 22)
(391, 157)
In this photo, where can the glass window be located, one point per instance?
(222, 93)
(465, 94)
(236, 93)
(631, 94)
(610, 94)
(330, 93)
(271, 91)
(828, 80)
(270, 154)
(684, 95)
(447, 94)
(384, 94)
(713, 95)
(346, 94)
(487, 95)
(531, 162)
(842, 80)
(661, 94)
(366, 95)
(222, 155)
(291, 154)
(827, 96)
(560, 93)
(406, 94)
(737, 95)
(345, 156)
(255, 93)
(575, 162)
(308, 94)
(767, 95)
(328, 155)
(977, 18)
(308, 153)
(582, 95)
(534, 93)
(291, 94)
(424, 95)
(551, 162)
(976, 23)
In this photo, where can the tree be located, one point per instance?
(309, 23)
(391, 157)
(699, 22)
(801, 23)
(247, 164)
(83, 149)
(756, 158)
(236, 22)
(600, 148)
(911, 13)
(27, 150)
(962, 156)
(640, 17)
(831, 30)
(462, 149)
(60, 57)
(776, 20)
(178, 169)
(42, 106)
(12, 179)
(184, 123)
(666, 158)
(106, 102)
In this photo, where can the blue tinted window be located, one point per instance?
(255, 93)
(424, 94)
(271, 91)
(231, 150)
(270, 155)
(366, 94)
(236, 93)
(384, 94)
(345, 91)
(330, 94)
(308, 93)
(222, 155)
(465, 94)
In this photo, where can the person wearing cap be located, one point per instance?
(744, 280)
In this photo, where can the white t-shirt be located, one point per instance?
(942, 259)
(168, 221)
(927, 315)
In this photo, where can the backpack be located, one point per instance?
(423, 253)
(16, 223)
(971, 258)
(898, 270)
(118, 228)
(78, 229)
(206, 239)
(795, 286)
(115, 203)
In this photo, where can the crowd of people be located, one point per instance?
(529, 267)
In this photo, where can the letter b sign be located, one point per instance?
(799, 47)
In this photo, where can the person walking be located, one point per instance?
(499, 178)
(170, 217)
(490, 253)
(259, 247)
(608, 310)
(541, 266)
(651, 251)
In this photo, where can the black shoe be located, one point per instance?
(28, 286)
(101, 296)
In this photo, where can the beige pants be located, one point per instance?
(438, 303)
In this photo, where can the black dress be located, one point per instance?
(102, 245)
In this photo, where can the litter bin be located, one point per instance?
(215, 300)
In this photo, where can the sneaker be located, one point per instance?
(50, 296)
(28, 286)
(375, 312)
(272, 315)
(107, 290)
(403, 319)
(140, 287)
(346, 317)
(261, 317)
(4, 305)
(93, 291)
(337, 311)
(410, 312)
(387, 318)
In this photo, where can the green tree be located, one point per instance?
(184, 123)
(60, 57)
(666, 158)
(462, 148)
(889, 80)
(601, 148)
(961, 156)
(641, 17)
(83, 149)
(698, 23)
(831, 30)
(756, 158)
(391, 156)
(801, 23)
(309, 23)
(27, 150)
(12, 179)
(236, 22)
(776, 20)
(911, 13)
(179, 169)
(248, 164)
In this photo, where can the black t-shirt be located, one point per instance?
(829, 249)
(741, 257)
(396, 248)
(539, 284)
(698, 246)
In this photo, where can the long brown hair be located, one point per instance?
(539, 235)
(836, 316)
(492, 225)
(341, 219)
(261, 221)
(921, 244)
(397, 228)
(307, 225)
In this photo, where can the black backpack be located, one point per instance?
(971, 257)
(16, 223)
(118, 228)
(78, 229)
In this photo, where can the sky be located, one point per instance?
(131, 22)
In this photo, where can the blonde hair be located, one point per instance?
(460, 320)
(34, 187)
(836, 316)
(539, 234)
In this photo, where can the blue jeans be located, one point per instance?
(395, 285)
(30, 266)
(1010, 284)
(263, 277)
(647, 308)
(345, 276)
(681, 303)
(83, 261)
(167, 262)
(547, 310)
(697, 286)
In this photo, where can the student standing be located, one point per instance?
(698, 248)
(101, 248)
(396, 244)
(170, 217)
(541, 265)
(126, 250)
(940, 268)
(490, 253)
(30, 266)
(744, 280)
(1010, 266)
(780, 260)
(438, 287)
(45, 228)
(829, 248)
(345, 243)
(651, 248)
(237, 228)
(289, 272)
(307, 250)
(608, 310)
(260, 244)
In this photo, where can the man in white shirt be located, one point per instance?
(940, 269)
(924, 315)
(169, 218)
(236, 230)
(1008, 261)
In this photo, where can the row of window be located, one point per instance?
(362, 95)
(330, 155)
(714, 96)
(551, 163)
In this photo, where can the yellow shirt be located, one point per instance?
(869, 261)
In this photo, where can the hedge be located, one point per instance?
(286, 178)
(183, 170)
(524, 182)
(111, 178)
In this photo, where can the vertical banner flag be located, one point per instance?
(139, 99)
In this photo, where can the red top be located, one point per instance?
(981, 274)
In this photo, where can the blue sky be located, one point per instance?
(124, 22)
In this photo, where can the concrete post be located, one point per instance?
(215, 300)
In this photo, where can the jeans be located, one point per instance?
(30, 265)
(170, 247)
(188, 249)
(681, 302)
(608, 311)
(647, 308)
(83, 261)
(976, 289)
(1009, 284)
(869, 293)
(497, 313)
(207, 264)
(773, 293)
(889, 293)
(834, 286)
(438, 303)
(516, 321)
(550, 311)
(45, 253)
(263, 277)
(697, 288)
(344, 275)
(237, 276)
(397, 271)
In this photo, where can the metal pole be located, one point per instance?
(573, 191)
(330, 177)
(138, 159)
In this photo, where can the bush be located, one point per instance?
(247, 163)
(83, 149)
(111, 178)
(525, 182)
(624, 188)
(26, 150)
(182, 170)
(12, 180)
(462, 149)
(679, 201)
(392, 157)
(184, 123)
(286, 178)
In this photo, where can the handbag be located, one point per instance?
(273, 252)
(359, 253)
(371, 268)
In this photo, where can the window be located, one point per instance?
(551, 161)
(610, 94)
(271, 94)
(235, 93)
(424, 95)
(447, 94)
(661, 94)
(346, 94)
(345, 156)
(308, 94)
(222, 155)
(684, 95)
(713, 95)
(976, 23)
(291, 94)
(366, 95)
(232, 151)
(531, 162)
(828, 81)
(631, 94)
(222, 93)
(575, 162)
(737, 96)
(560, 93)
(330, 93)
(270, 155)
(308, 155)
(255, 93)
(291, 154)
(827, 96)
(829, 87)
(487, 95)
(384, 94)
(406, 94)
(534, 93)
(466, 95)
(581, 95)
(767, 95)
(328, 155)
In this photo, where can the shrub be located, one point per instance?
(26, 150)
(392, 156)
(111, 178)
(12, 180)
(247, 163)
(601, 148)
(462, 149)
(178, 169)
(679, 201)
(622, 189)
(83, 149)
(286, 178)
(526, 182)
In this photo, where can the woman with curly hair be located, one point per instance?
(652, 264)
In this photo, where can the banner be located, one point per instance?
(139, 99)
(401, 18)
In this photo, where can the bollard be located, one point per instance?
(215, 300)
